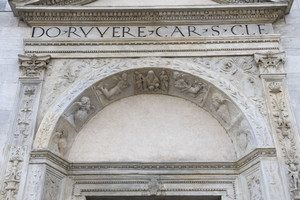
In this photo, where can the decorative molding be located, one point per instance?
(214, 14)
(44, 156)
(153, 185)
(203, 40)
(206, 46)
(60, 2)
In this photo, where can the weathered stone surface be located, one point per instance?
(152, 128)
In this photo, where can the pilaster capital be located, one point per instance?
(270, 63)
(33, 66)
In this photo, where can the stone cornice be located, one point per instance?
(217, 14)
(51, 159)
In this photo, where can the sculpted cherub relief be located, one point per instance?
(79, 111)
(116, 88)
(220, 107)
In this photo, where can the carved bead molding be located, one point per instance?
(22, 130)
(32, 66)
(272, 73)
(270, 62)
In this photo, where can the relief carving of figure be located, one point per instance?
(60, 143)
(80, 111)
(140, 81)
(219, 105)
(122, 83)
(293, 169)
(164, 80)
(193, 88)
(151, 82)
(243, 136)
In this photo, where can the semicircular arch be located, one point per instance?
(111, 82)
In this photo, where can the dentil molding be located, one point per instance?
(36, 15)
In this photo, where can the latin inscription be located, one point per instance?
(115, 32)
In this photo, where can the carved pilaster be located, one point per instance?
(21, 135)
(280, 115)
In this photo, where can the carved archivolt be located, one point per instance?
(103, 86)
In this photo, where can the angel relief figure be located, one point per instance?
(79, 112)
(122, 83)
